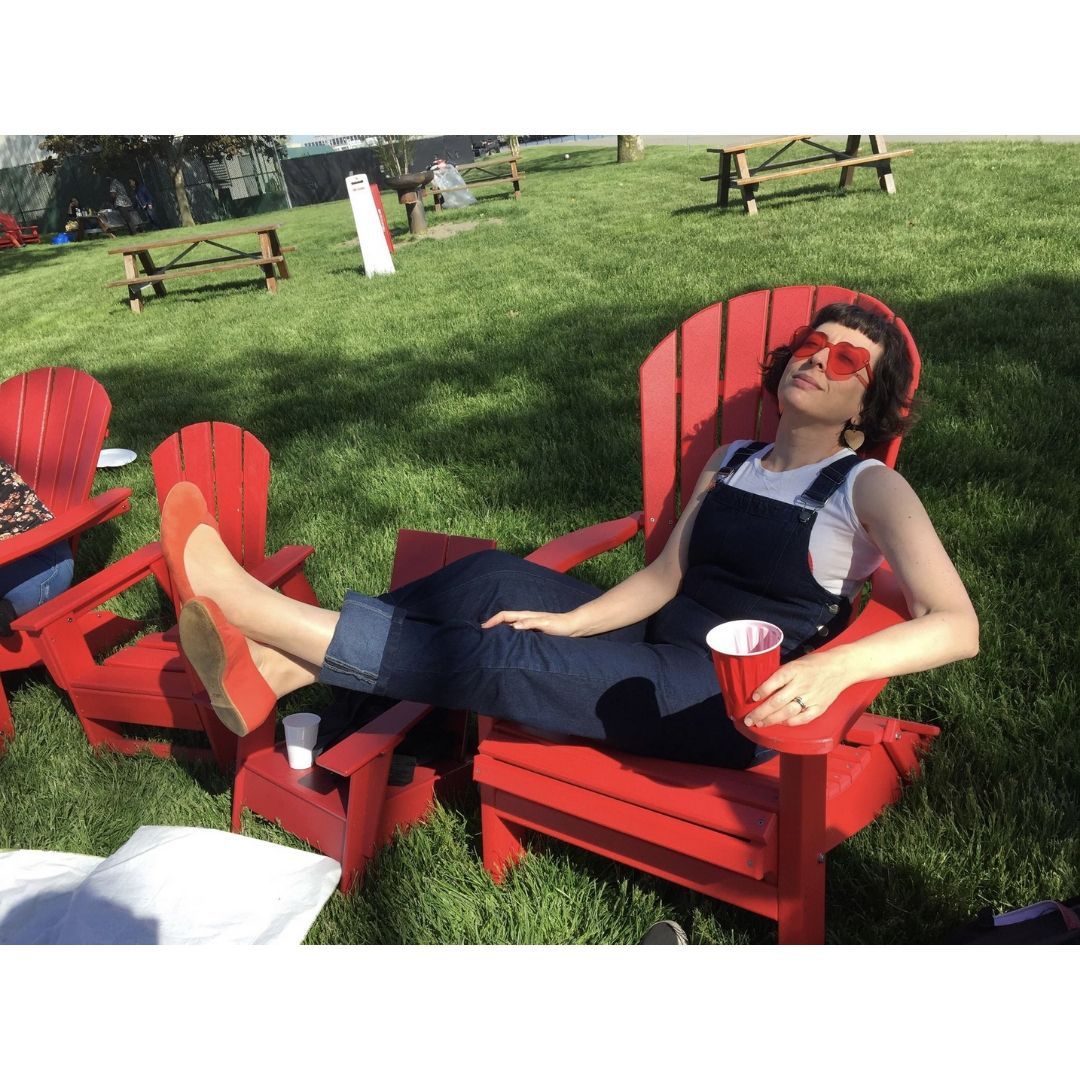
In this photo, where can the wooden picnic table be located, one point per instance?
(87, 223)
(488, 171)
(735, 170)
(270, 259)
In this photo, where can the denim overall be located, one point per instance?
(648, 688)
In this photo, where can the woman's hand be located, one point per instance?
(557, 624)
(818, 679)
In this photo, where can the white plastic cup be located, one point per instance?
(301, 731)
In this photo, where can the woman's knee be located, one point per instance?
(36, 579)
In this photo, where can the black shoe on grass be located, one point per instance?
(664, 932)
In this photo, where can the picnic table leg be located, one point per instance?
(134, 293)
(517, 181)
(275, 247)
(851, 149)
(749, 200)
(723, 181)
(884, 168)
(268, 268)
(148, 266)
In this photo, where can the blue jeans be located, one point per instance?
(423, 642)
(29, 582)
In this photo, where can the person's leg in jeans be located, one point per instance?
(29, 582)
(425, 643)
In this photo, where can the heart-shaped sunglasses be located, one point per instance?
(845, 360)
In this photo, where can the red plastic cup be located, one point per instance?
(745, 653)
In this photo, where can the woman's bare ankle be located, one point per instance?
(283, 673)
(213, 572)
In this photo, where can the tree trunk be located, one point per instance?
(631, 148)
(176, 171)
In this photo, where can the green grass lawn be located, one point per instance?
(489, 388)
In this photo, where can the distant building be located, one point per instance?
(325, 143)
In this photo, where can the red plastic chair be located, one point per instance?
(12, 234)
(758, 838)
(148, 685)
(344, 804)
(54, 424)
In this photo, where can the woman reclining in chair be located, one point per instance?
(786, 533)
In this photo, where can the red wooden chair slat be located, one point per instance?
(256, 504)
(791, 308)
(820, 789)
(659, 446)
(231, 491)
(700, 389)
(167, 465)
(52, 426)
(197, 454)
(746, 324)
(833, 294)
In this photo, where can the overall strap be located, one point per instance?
(826, 482)
(738, 459)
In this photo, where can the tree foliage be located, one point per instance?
(106, 153)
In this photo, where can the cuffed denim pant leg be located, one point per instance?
(424, 643)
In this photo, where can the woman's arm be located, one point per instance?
(943, 627)
(639, 596)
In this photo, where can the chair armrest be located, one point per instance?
(74, 520)
(573, 548)
(887, 607)
(380, 736)
(281, 564)
(94, 591)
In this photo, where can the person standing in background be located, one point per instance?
(144, 200)
(122, 204)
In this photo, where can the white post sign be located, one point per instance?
(373, 247)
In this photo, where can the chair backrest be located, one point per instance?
(232, 469)
(53, 423)
(702, 387)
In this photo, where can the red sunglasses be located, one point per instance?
(845, 360)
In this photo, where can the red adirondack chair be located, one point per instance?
(54, 424)
(756, 839)
(12, 234)
(148, 684)
(344, 804)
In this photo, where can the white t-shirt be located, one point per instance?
(842, 555)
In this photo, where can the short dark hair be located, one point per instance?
(887, 407)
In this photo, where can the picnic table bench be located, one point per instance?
(735, 170)
(270, 259)
(489, 171)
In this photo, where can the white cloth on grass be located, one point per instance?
(168, 885)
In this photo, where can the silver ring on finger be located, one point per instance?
(802, 704)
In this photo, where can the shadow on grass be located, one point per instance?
(194, 294)
(26, 259)
(579, 159)
(456, 411)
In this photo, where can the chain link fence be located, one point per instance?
(250, 183)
